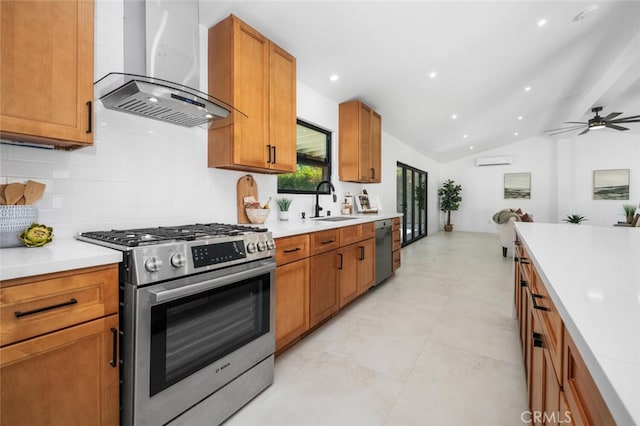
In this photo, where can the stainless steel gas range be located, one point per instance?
(197, 305)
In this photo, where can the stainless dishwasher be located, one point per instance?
(383, 250)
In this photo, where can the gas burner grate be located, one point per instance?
(164, 234)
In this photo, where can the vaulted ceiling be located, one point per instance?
(503, 73)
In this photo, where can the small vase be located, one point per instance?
(283, 215)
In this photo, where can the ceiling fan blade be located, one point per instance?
(565, 128)
(611, 116)
(625, 121)
(626, 118)
(576, 122)
(563, 131)
(613, 126)
(583, 132)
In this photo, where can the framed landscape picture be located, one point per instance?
(611, 184)
(517, 185)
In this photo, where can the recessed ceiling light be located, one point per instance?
(454, 116)
(527, 89)
(465, 136)
(208, 115)
(433, 74)
(471, 147)
(516, 134)
(334, 77)
(152, 99)
(520, 117)
(542, 22)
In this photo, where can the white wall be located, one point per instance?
(561, 179)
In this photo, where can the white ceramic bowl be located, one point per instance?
(257, 215)
(14, 220)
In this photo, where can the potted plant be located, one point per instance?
(283, 205)
(629, 212)
(449, 200)
(574, 218)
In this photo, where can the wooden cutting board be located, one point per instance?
(246, 187)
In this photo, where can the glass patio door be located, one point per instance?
(411, 196)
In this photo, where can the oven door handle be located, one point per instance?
(163, 295)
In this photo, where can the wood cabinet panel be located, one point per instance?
(47, 72)
(258, 78)
(360, 133)
(323, 241)
(583, 398)
(354, 233)
(396, 241)
(395, 224)
(324, 287)
(292, 302)
(290, 249)
(366, 264)
(46, 305)
(63, 378)
(395, 260)
(348, 273)
(551, 322)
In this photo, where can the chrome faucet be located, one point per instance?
(333, 191)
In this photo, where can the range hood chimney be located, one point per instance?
(161, 66)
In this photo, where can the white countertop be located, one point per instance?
(593, 277)
(59, 255)
(287, 228)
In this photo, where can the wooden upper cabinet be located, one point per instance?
(47, 72)
(360, 143)
(257, 78)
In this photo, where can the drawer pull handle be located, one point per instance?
(114, 354)
(361, 252)
(524, 261)
(269, 153)
(340, 254)
(293, 250)
(19, 314)
(523, 283)
(515, 259)
(274, 154)
(327, 242)
(537, 340)
(535, 305)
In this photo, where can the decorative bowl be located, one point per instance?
(14, 220)
(257, 215)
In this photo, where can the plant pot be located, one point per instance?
(629, 220)
(448, 228)
(283, 215)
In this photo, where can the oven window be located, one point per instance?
(190, 333)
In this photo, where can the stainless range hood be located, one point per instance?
(161, 51)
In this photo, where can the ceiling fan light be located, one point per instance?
(597, 126)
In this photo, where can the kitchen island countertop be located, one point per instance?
(593, 277)
(60, 255)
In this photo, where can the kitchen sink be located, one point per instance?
(334, 218)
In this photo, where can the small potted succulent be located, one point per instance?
(283, 205)
(575, 218)
(629, 212)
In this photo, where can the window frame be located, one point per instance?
(301, 159)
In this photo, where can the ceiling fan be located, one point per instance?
(597, 122)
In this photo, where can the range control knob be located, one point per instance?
(251, 247)
(178, 260)
(153, 264)
(262, 246)
(271, 245)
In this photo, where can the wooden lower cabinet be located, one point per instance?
(348, 273)
(292, 302)
(46, 380)
(583, 398)
(324, 287)
(366, 264)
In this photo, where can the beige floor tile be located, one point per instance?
(435, 344)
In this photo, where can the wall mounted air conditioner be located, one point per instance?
(493, 161)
